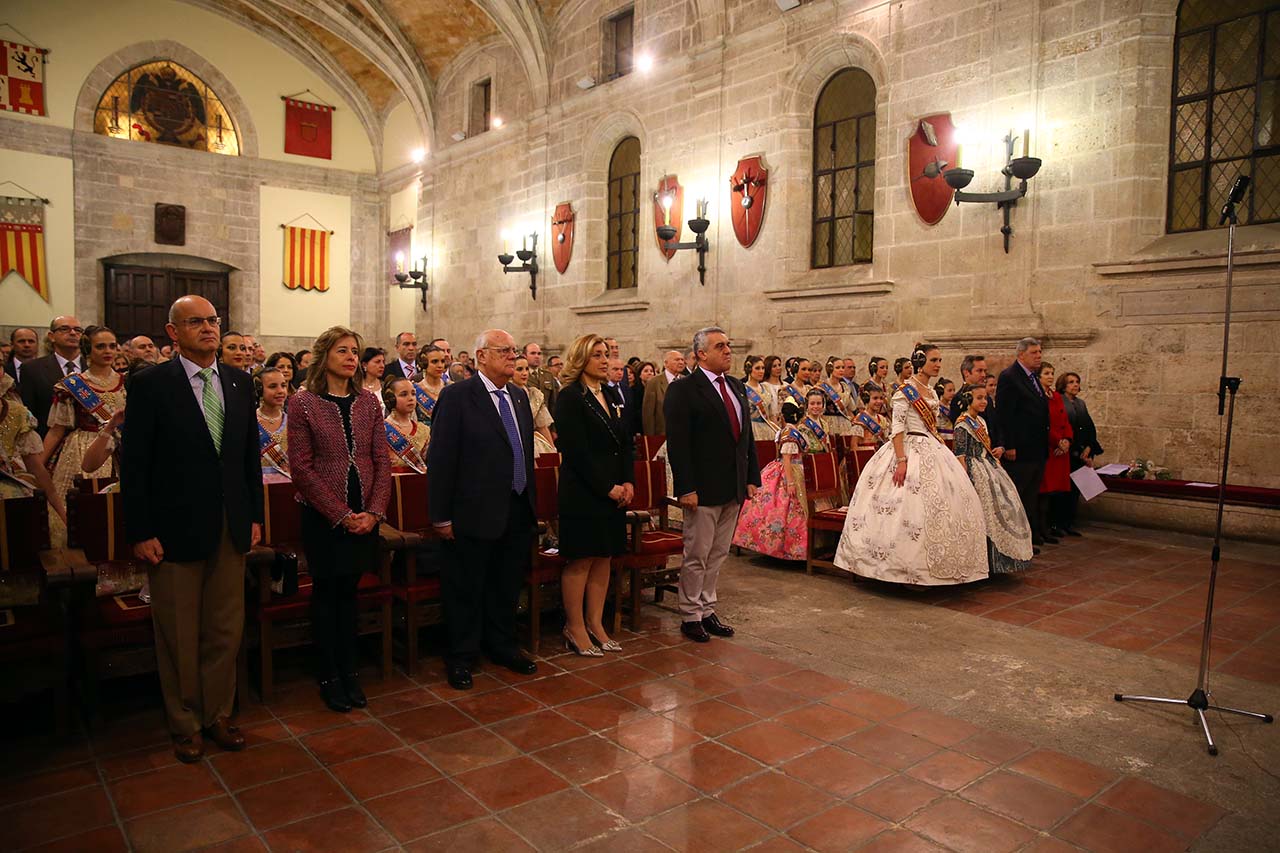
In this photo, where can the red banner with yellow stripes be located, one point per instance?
(22, 242)
(306, 258)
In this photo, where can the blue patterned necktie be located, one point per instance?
(513, 435)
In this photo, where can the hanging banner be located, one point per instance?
(22, 242)
(306, 258)
(399, 245)
(22, 79)
(308, 129)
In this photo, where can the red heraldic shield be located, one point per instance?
(932, 148)
(308, 129)
(749, 191)
(669, 185)
(562, 236)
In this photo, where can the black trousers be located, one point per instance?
(1026, 476)
(480, 583)
(333, 624)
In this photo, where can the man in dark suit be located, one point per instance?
(973, 371)
(406, 363)
(481, 495)
(1023, 416)
(713, 461)
(616, 388)
(39, 376)
(24, 346)
(191, 480)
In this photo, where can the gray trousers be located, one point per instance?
(708, 532)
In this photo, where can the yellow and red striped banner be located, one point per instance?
(306, 258)
(22, 242)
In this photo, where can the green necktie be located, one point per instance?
(212, 407)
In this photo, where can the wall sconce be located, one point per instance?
(528, 260)
(1023, 168)
(698, 226)
(418, 276)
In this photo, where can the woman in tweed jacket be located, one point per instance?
(338, 456)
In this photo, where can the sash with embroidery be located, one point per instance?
(815, 428)
(834, 396)
(426, 403)
(869, 424)
(271, 451)
(794, 394)
(757, 404)
(86, 397)
(918, 403)
(797, 436)
(975, 426)
(400, 444)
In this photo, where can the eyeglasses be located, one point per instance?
(197, 322)
(60, 330)
(502, 351)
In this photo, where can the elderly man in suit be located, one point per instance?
(1023, 417)
(713, 461)
(191, 480)
(652, 419)
(481, 495)
(41, 374)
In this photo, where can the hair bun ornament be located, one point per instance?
(918, 357)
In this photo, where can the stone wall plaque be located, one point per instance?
(171, 224)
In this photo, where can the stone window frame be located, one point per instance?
(608, 42)
(614, 218)
(481, 88)
(833, 170)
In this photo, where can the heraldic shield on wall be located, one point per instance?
(749, 190)
(562, 236)
(932, 148)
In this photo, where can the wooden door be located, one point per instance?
(137, 299)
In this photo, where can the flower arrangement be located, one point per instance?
(1146, 469)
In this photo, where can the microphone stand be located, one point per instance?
(1198, 701)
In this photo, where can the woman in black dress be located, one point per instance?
(596, 486)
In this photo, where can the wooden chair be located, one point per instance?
(547, 460)
(649, 545)
(647, 446)
(821, 481)
(766, 452)
(33, 634)
(284, 621)
(416, 596)
(546, 565)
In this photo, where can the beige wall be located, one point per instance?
(20, 305)
(302, 313)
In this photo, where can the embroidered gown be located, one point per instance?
(773, 523)
(1008, 532)
(271, 473)
(761, 429)
(18, 438)
(82, 430)
(541, 418)
(930, 530)
(419, 436)
(832, 419)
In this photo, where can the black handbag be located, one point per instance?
(284, 573)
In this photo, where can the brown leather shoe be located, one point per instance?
(190, 749)
(225, 735)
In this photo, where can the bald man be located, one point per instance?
(142, 347)
(41, 374)
(652, 419)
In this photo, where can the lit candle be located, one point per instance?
(667, 200)
(506, 248)
(399, 261)
(957, 163)
(1026, 143)
(702, 208)
(524, 241)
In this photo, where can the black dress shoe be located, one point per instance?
(334, 696)
(459, 676)
(695, 631)
(1051, 540)
(517, 663)
(1070, 531)
(1035, 551)
(351, 684)
(1036, 540)
(714, 626)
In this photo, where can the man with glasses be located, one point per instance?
(191, 479)
(481, 497)
(41, 374)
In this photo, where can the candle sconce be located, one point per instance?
(528, 261)
(414, 279)
(1023, 168)
(698, 226)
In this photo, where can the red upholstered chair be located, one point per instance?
(650, 542)
(545, 568)
(647, 446)
(33, 636)
(416, 597)
(821, 481)
(766, 452)
(284, 621)
(547, 460)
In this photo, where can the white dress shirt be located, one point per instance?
(671, 377)
(407, 369)
(715, 384)
(62, 363)
(197, 384)
(493, 398)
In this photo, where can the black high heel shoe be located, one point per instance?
(335, 696)
(351, 685)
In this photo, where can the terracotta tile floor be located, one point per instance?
(1139, 598)
(667, 746)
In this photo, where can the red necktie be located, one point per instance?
(730, 408)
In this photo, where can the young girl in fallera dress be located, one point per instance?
(1008, 533)
(273, 436)
(915, 517)
(409, 455)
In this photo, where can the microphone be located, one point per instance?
(1237, 195)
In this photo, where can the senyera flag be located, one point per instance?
(306, 258)
(22, 242)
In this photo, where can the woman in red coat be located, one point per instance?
(338, 457)
(1057, 469)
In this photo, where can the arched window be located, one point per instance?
(1226, 86)
(163, 102)
(844, 169)
(624, 214)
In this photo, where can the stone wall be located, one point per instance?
(1090, 271)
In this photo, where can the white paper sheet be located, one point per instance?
(1113, 469)
(1204, 485)
(1088, 482)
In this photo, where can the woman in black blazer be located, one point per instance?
(595, 488)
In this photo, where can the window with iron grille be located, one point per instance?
(624, 214)
(844, 170)
(1226, 83)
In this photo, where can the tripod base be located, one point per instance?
(1198, 701)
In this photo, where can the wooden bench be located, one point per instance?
(1183, 490)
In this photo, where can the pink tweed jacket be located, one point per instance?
(318, 454)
